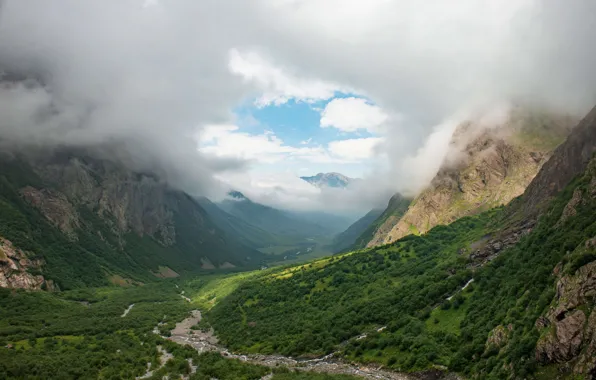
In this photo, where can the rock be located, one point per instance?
(491, 248)
(498, 337)
(484, 168)
(541, 323)
(568, 160)
(568, 330)
(564, 343)
(570, 207)
(15, 267)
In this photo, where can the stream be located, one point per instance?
(207, 341)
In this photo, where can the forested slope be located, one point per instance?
(69, 220)
(406, 305)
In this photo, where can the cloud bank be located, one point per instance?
(153, 75)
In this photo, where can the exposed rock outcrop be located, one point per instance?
(568, 330)
(569, 159)
(126, 200)
(55, 207)
(486, 167)
(489, 248)
(15, 267)
(498, 337)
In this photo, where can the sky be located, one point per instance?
(251, 94)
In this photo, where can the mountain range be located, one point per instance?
(488, 273)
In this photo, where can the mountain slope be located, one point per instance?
(329, 180)
(347, 238)
(429, 302)
(331, 223)
(487, 167)
(244, 232)
(396, 208)
(81, 221)
(569, 160)
(267, 218)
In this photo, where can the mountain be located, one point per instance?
(246, 233)
(486, 167)
(329, 180)
(270, 219)
(69, 220)
(396, 208)
(347, 238)
(569, 160)
(495, 295)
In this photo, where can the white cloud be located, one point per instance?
(227, 141)
(355, 149)
(277, 85)
(417, 170)
(352, 114)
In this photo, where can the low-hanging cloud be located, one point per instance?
(151, 75)
(137, 75)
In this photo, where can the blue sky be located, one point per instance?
(295, 125)
(294, 122)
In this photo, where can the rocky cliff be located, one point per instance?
(569, 160)
(568, 330)
(90, 220)
(18, 270)
(487, 166)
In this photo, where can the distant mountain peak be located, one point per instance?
(331, 179)
(237, 195)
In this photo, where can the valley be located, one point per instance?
(467, 299)
(297, 190)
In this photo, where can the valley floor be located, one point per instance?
(143, 332)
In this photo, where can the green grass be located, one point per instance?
(210, 289)
(448, 320)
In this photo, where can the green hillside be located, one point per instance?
(270, 219)
(248, 234)
(389, 305)
(396, 208)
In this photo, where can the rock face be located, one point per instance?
(489, 248)
(569, 159)
(568, 330)
(129, 201)
(486, 167)
(15, 267)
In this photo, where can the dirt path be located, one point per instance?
(207, 341)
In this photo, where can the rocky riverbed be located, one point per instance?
(207, 341)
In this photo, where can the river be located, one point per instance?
(207, 341)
